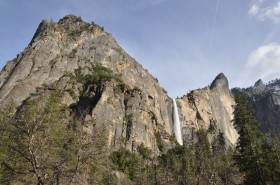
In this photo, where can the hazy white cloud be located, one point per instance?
(264, 62)
(254, 9)
(265, 10)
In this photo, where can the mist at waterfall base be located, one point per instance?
(177, 125)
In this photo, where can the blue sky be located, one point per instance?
(183, 43)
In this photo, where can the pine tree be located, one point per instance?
(271, 158)
(248, 149)
(204, 164)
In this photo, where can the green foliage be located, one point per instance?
(153, 117)
(145, 152)
(137, 89)
(159, 141)
(126, 162)
(164, 91)
(39, 145)
(93, 84)
(36, 142)
(243, 114)
(73, 53)
(72, 93)
(247, 153)
(120, 88)
(254, 155)
(128, 121)
(139, 167)
(123, 88)
(198, 164)
(173, 158)
(99, 74)
(271, 157)
(94, 155)
(203, 154)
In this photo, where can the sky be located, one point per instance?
(185, 44)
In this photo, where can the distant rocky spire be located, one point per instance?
(259, 87)
(259, 83)
(220, 83)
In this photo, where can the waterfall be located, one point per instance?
(177, 125)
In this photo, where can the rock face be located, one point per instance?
(266, 102)
(209, 109)
(134, 111)
(123, 96)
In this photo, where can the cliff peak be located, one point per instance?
(259, 83)
(70, 26)
(70, 19)
(259, 87)
(220, 82)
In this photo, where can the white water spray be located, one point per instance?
(177, 125)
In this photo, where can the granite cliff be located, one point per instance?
(104, 85)
(131, 103)
(211, 109)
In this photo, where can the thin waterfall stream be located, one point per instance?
(177, 124)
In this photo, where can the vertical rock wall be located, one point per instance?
(210, 109)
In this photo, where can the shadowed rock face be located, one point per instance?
(259, 87)
(268, 112)
(265, 99)
(130, 102)
(259, 83)
(220, 83)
